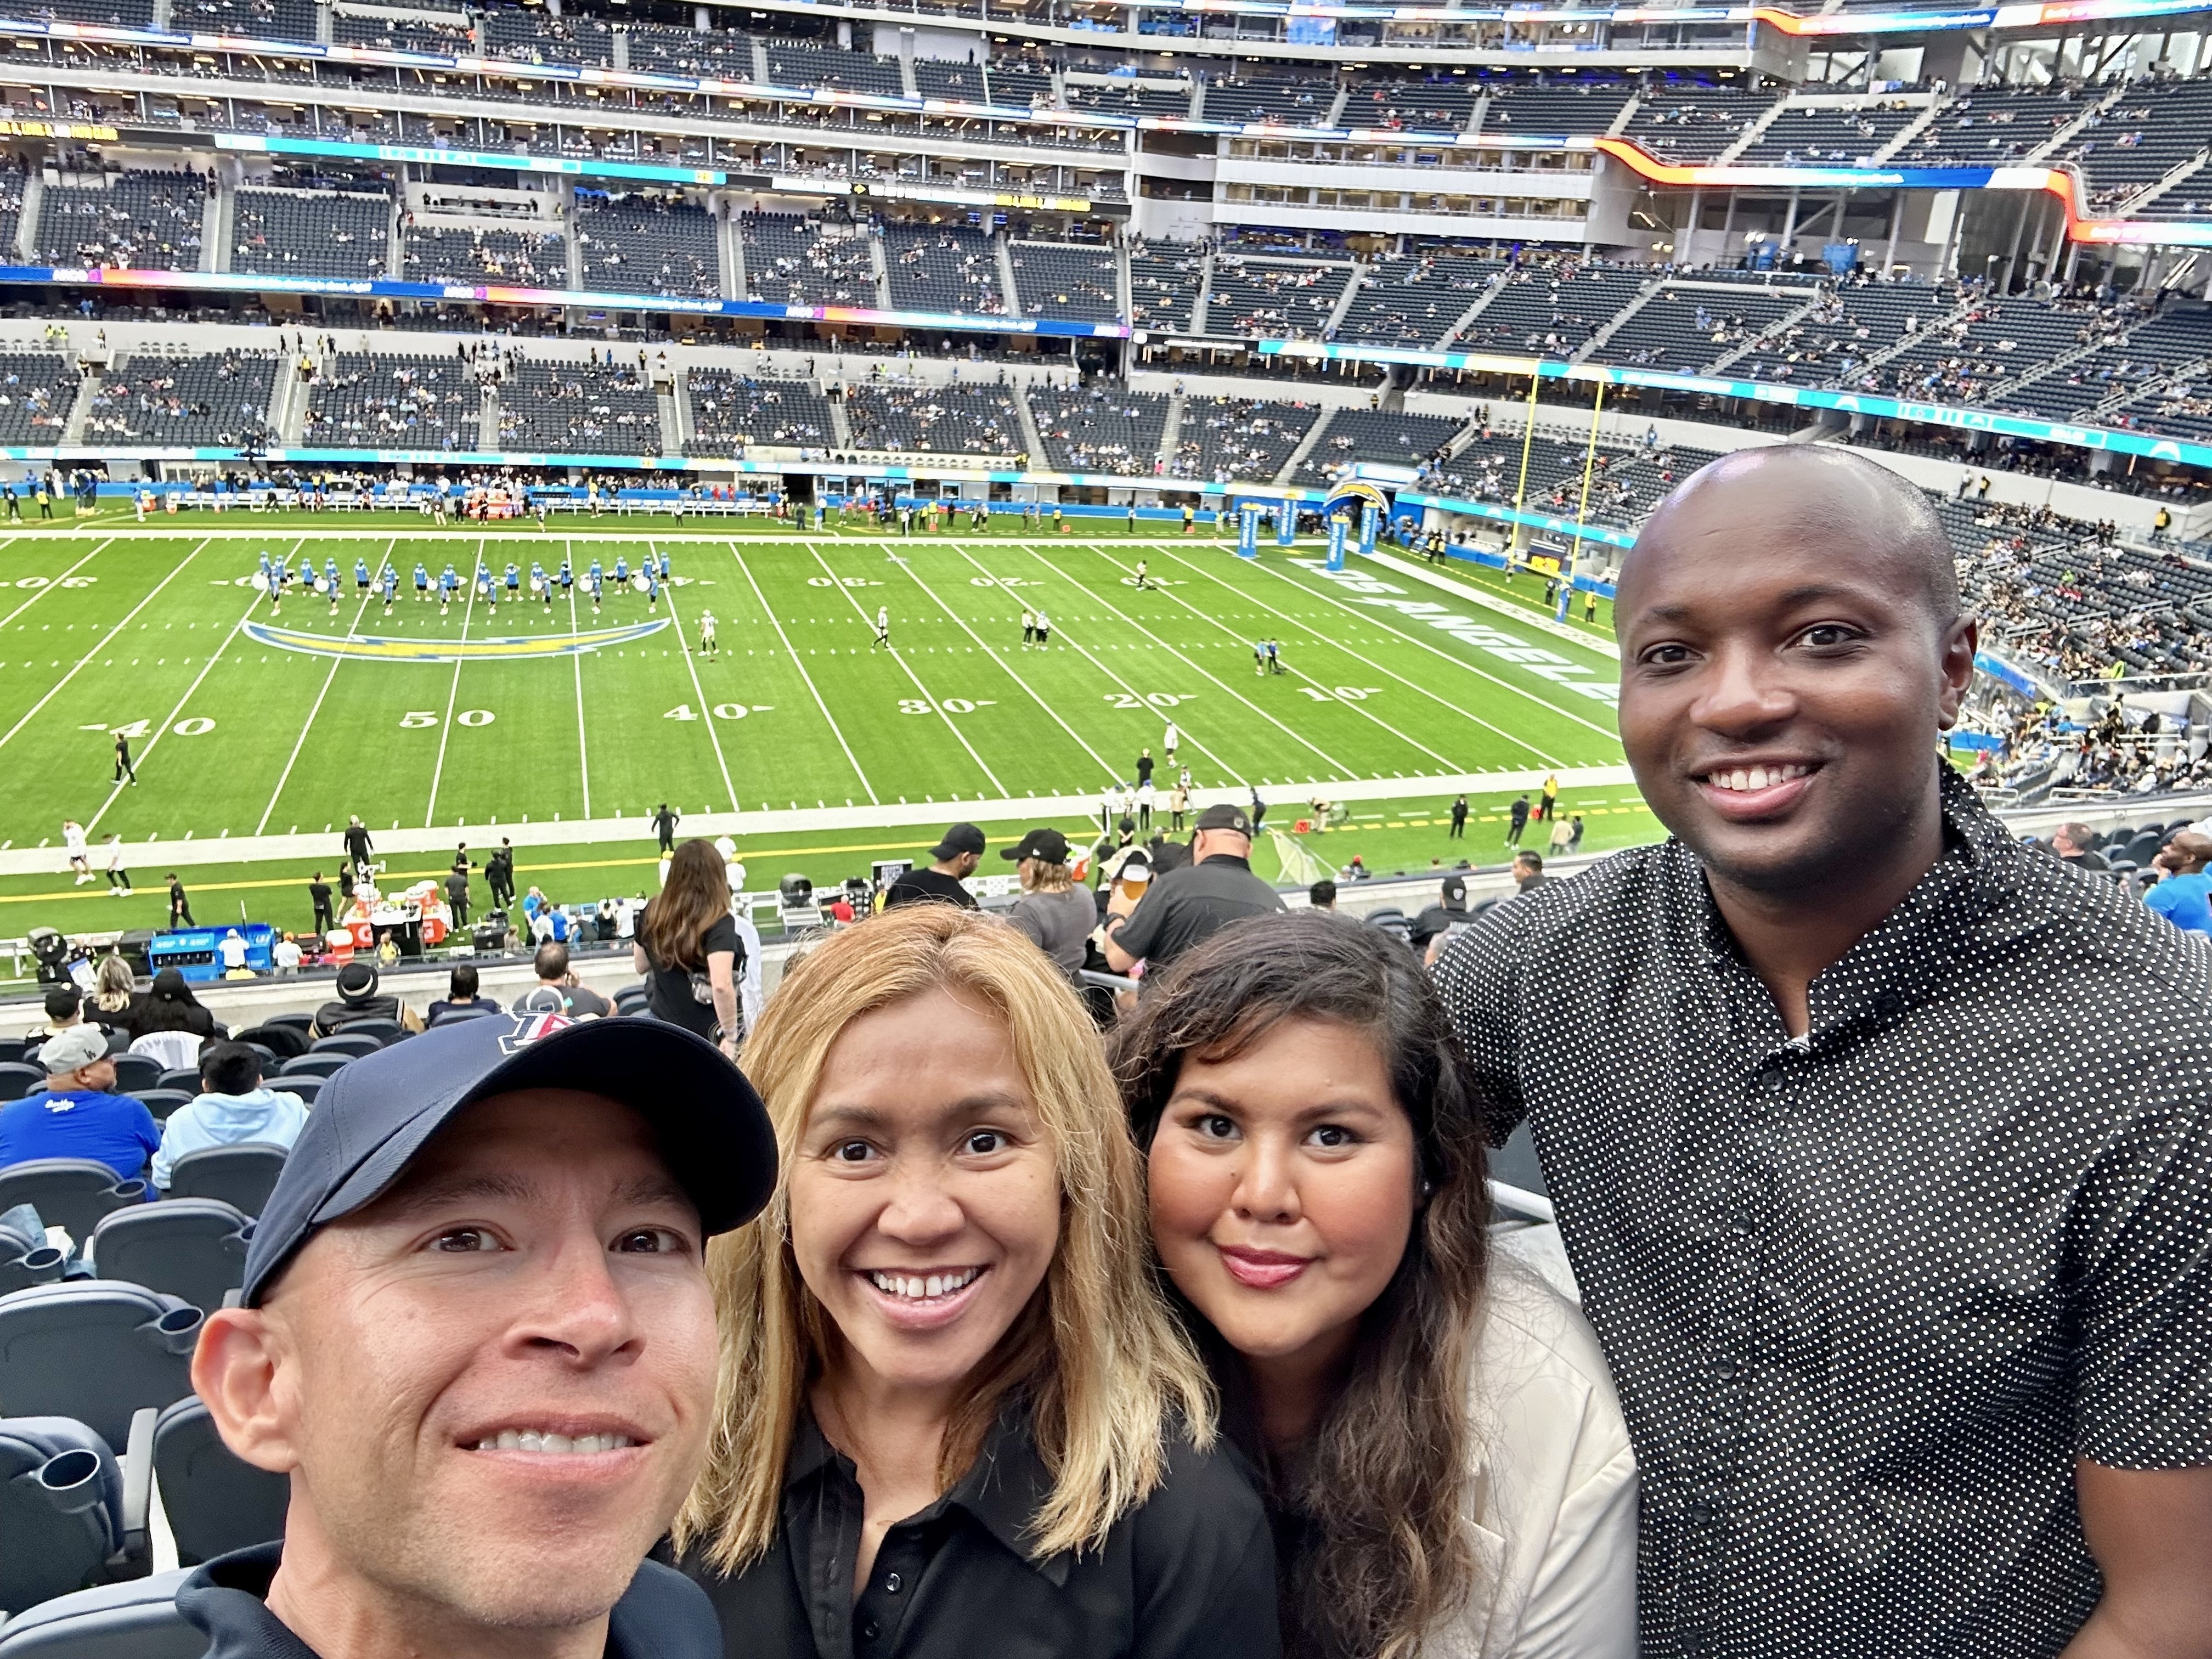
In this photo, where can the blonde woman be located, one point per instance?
(113, 989)
(955, 1418)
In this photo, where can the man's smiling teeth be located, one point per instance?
(1755, 777)
(581, 1445)
(918, 1289)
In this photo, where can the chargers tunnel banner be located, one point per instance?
(1248, 531)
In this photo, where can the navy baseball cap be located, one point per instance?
(377, 1112)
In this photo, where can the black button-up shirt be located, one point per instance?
(1867, 1297)
(660, 1615)
(1189, 1575)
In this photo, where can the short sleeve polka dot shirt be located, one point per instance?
(1868, 1297)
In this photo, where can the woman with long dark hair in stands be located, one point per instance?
(1443, 1455)
(688, 950)
(169, 1005)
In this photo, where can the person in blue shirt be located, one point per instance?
(597, 572)
(331, 571)
(513, 581)
(265, 568)
(2184, 894)
(652, 590)
(621, 568)
(391, 588)
(447, 581)
(664, 564)
(77, 1115)
(421, 580)
(567, 577)
(233, 1106)
(487, 587)
(361, 577)
(592, 585)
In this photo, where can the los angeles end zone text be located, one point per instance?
(242, 722)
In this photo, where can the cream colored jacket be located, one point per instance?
(1553, 1498)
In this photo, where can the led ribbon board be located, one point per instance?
(2143, 444)
(492, 293)
(363, 647)
(2134, 232)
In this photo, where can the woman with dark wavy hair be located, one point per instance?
(1444, 1456)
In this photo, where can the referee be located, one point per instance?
(1188, 906)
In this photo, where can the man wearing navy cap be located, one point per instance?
(477, 1336)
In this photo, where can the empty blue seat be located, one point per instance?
(26, 1260)
(314, 1066)
(61, 1511)
(161, 1103)
(19, 1077)
(97, 1350)
(351, 1043)
(68, 1192)
(383, 1032)
(242, 1175)
(216, 1501)
(187, 1077)
(306, 1088)
(193, 1248)
(135, 1620)
(136, 1071)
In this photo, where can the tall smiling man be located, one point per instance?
(478, 1338)
(1880, 1144)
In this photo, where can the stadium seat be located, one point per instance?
(25, 1259)
(11, 1048)
(216, 1501)
(162, 1101)
(276, 1041)
(303, 1024)
(242, 1175)
(1516, 1164)
(19, 1077)
(61, 1511)
(138, 1620)
(136, 1071)
(67, 1192)
(306, 1088)
(193, 1248)
(455, 1016)
(2144, 847)
(384, 1032)
(97, 1350)
(187, 1077)
(169, 1049)
(313, 1066)
(349, 1044)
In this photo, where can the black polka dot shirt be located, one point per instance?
(1868, 1297)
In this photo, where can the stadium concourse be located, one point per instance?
(460, 462)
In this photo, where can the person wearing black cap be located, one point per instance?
(1055, 914)
(956, 856)
(358, 999)
(1187, 905)
(476, 1335)
(1441, 918)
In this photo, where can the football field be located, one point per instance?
(249, 722)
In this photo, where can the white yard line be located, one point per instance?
(174, 715)
(1367, 613)
(1115, 675)
(1335, 764)
(453, 694)
(301, 742)
(52, 690)
(706, 709)
(1307, 628)
(50, 585)
(992, 651)
(868, 623)
(1296, 673)
(769, 610)
(583, 751)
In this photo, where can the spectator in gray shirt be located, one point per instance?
(556, 991)
(1056, 914)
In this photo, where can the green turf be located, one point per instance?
(103, 625)
(1389, 837)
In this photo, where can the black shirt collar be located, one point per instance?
(662, 1615)
(1230, 859)
(1004, 1490)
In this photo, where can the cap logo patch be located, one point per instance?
(532, 1028)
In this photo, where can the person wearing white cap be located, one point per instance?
(77, 1115)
